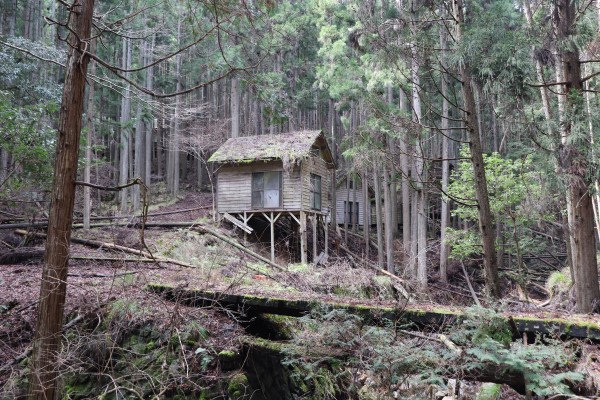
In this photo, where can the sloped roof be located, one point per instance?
(290, 147)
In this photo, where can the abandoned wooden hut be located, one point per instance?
(273, 175)
(350, 201)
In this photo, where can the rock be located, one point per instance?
(229, 360)
(489, 391)
(239, 388)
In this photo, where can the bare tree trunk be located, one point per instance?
(419, 241)
(539, 71)
(574, 163)
(160, 168)
(366, 213)
(46, 344)
(125, 131)
(404, 169)
(588, 109)
(12, 22)
(486, 226)
(139, 153)
(356, 210)
(235, 107)
(173, 164)
(445, 212)
(150, 126)
(334, 151)
(390, 142)
(3, 165)
(90, 135)
(347, 208)
(389, 233)
(378, 216)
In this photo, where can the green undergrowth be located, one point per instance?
(134, 351)
(547, 365)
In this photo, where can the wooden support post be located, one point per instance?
(314, 229)
(272, 220)
(245, 233)
(303, 244)
(326, 229)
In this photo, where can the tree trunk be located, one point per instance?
(235, 107)
(173, 163)
(356, 211)
(125, 132)
(3, 166)
(419, 241)
(334, 152)
(539, 71)
(150, 126)
(366, 213)
(445, 211)
(486, 226)
(406, 222)
(90, 135)
(378, 221)
(389, 233)
(573, 161)
(46, 345)
(139, 153)
(347, 208)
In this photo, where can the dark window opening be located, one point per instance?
(351, 212)
(315, 151)
(315, 191)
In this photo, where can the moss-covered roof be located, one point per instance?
(290, 147)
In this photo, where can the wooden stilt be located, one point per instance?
(245, 233)
(314, 229)
(303, 244)
(326, 229)
(272, 220)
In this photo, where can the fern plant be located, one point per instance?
(488, 339)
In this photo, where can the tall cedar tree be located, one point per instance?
(574, 162)
(46, 345)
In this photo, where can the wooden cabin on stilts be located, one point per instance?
(274, 176)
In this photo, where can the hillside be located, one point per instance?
(121, 337)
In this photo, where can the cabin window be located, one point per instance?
(315, 151)
(266, 189)
(351, 212)
(315, 192)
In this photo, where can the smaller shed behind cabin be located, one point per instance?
(350, 201)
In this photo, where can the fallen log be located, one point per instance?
(359, 237)
(400, 281)
(111, 259)
(238, 246)
(567, 327)
(191, 224)
(424, 317)
(135, 221)
(22, 254)
(111, 246)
